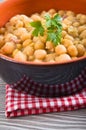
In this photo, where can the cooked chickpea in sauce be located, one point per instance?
(17, 39)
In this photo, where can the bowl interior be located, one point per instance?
(12, 7)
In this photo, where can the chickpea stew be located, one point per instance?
(59, 37)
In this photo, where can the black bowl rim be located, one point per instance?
(9, 59)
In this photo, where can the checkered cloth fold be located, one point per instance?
(28, 86)
(20, 103)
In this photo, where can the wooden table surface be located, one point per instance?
(72, 120)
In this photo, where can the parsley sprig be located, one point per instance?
(53, 27)
(39, 29)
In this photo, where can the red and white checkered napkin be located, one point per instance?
(19, 103)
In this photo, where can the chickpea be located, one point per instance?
(85, 54)
(19, 56)
(61, 12)
(35, 17)
(70, 29)
(70, 18)
(14, 52)
(81, 50)
(28, 50)
(43, 38)
(14, 20)
(74, 58)
(50, 57)
(10, 37)
(25, 36)
(70, 13)
(35, 39)
(60, 49)
(10, 29)
(52, 12)
(8, 48)
(69, 37)
(32, 44)
(83, 19)
(49, 46)
(72, 50)
(20, 31)
(37, 61)
(1, 41)
(19, 46)
(26, 20)
(67, 22)
(38, 45)
(29, 28)
(73, 31)
(26, 43)
(40, 54)
(64, 26)
(2, 30)
(51, 61)
(81, 28)
(19, 24)
(83, 35)
(64, 33)
(31, 58)
(78, 16)
(84, 42)
(8, 24)
(67, 42)
(62, 58)
(76, 24)
(76, 42)
(43, 13)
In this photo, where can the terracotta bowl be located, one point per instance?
(49, 73)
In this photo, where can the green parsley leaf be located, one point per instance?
(57, 18)
(54, 28)
(39, 30)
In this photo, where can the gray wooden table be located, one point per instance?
(75, 120)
